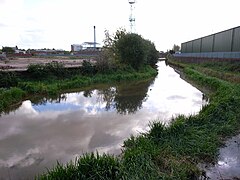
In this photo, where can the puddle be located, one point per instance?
(228, 165)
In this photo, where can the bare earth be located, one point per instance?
(21, 64)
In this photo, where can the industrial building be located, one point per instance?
(76, 47)
(92, 46)
(224, 44)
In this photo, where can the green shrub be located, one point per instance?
(37, 71)
(152, 53)
(87, 68)
(8, 79)
(105, 63)
(131, 49)
(54, 70)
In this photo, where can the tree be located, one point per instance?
(152, 53)
(131, 50)
(127, 48)
(108, 59)
(176, 48)
(8, 50)
(110, 42)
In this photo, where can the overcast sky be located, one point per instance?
(60, 23)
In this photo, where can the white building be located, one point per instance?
(76, 47)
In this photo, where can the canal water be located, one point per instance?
(43, 130)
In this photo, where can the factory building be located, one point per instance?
(224, 44)
(86, 45)
(76, 47)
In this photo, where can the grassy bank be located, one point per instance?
(228, 70)
(168, 152)
(16, 87)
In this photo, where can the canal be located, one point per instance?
(44, 130)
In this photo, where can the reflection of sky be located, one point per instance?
(55, 107)
(73, 102)
(172, 95)
(228, 165)
(34, 137)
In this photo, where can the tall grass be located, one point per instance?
(9, 97)
(88, 166)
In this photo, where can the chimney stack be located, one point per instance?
(94, 37)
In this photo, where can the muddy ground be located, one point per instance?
(21, 64)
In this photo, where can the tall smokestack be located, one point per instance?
(94, 37)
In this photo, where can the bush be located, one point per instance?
(37, 71)
(8, 79)
(87, 68)
(126, 48)
(131, 49)
(105, 62)
(42, 71)
(55, 68)
(152, 53)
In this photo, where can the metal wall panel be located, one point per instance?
(223, 41)
(207, 43)
(189, 46)
(197, 45)
(236, 40)
(183, 47)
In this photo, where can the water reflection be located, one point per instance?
(42, 131)
(228, 165)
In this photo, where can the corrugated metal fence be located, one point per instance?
(225, 41)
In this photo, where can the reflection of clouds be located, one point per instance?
(172, 96)
(175, 97)
(22, 160)
(14, 130)
(61, 138)
(73, 102)
(69, 133)
(27, 109)
(102, 139)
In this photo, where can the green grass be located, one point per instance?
(10, 97)
(173, 152)
(227, 70)
(79, 81)
(227, 66)
(88, 166)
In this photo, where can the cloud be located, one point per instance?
(2, 25)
